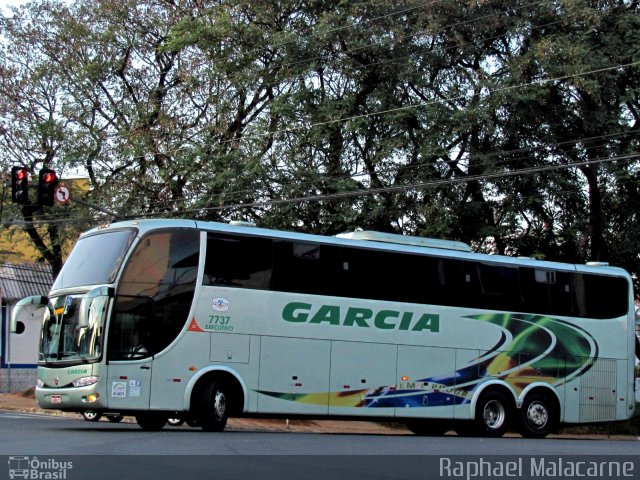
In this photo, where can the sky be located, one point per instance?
(6, 4)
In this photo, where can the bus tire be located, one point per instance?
(91, 416)
(192, 422)
(214, 409)
(115, 418)
(537, 416)
(175, 421)
(151, 421)
(493, 414)
(427, 428)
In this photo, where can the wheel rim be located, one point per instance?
(219, 405)
(494, 414)
(537, 415)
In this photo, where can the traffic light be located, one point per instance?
(47, 183)
(20, 185)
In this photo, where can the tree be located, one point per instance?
(511, 126)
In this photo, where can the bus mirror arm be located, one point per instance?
(39, 300)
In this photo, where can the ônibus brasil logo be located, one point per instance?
(38, 469)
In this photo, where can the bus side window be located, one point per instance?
(534, 288)
(600, 296)
(155, 293)
(450, 282)
(560, 294)
(305, 268)
(238, 261)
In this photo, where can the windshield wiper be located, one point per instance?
(84, 359)
(67, 354)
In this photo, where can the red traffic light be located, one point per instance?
(47, 183)
(49, 177)
(20, 185)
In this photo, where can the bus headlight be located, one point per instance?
(39, 383)
(85, 381)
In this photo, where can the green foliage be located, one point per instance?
(494, 123)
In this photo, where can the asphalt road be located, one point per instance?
(122, 451)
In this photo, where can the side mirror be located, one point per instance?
(37, 300)
(87, 300)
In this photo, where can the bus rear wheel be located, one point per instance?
(537, 416)
(214, 410)
(492, 415)
(151, 421)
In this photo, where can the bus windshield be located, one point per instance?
(95, 260)
(68, 335)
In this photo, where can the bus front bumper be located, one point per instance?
(70, 398)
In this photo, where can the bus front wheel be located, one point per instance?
(214, 410)
(91, 416)
(537, 416)
(151, 421)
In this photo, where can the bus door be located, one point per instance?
(130, 355)
(129, 384)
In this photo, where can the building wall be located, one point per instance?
(19, 352)
(17, 380)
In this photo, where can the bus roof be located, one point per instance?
(365, 239)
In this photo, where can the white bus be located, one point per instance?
(185, 319)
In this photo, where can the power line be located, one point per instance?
(398, 109)
(389, 189)
(481, 161)
(467, 96)
(375, 64)
(382, 113)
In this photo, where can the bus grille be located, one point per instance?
(598, 392)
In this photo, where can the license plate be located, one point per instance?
(56, 398)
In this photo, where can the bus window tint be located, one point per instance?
(367, 273)
(546, 291)
(305, 268)
(155, 294)
(238, 261)
(600, 297)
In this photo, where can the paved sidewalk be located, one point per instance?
(19, 402)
